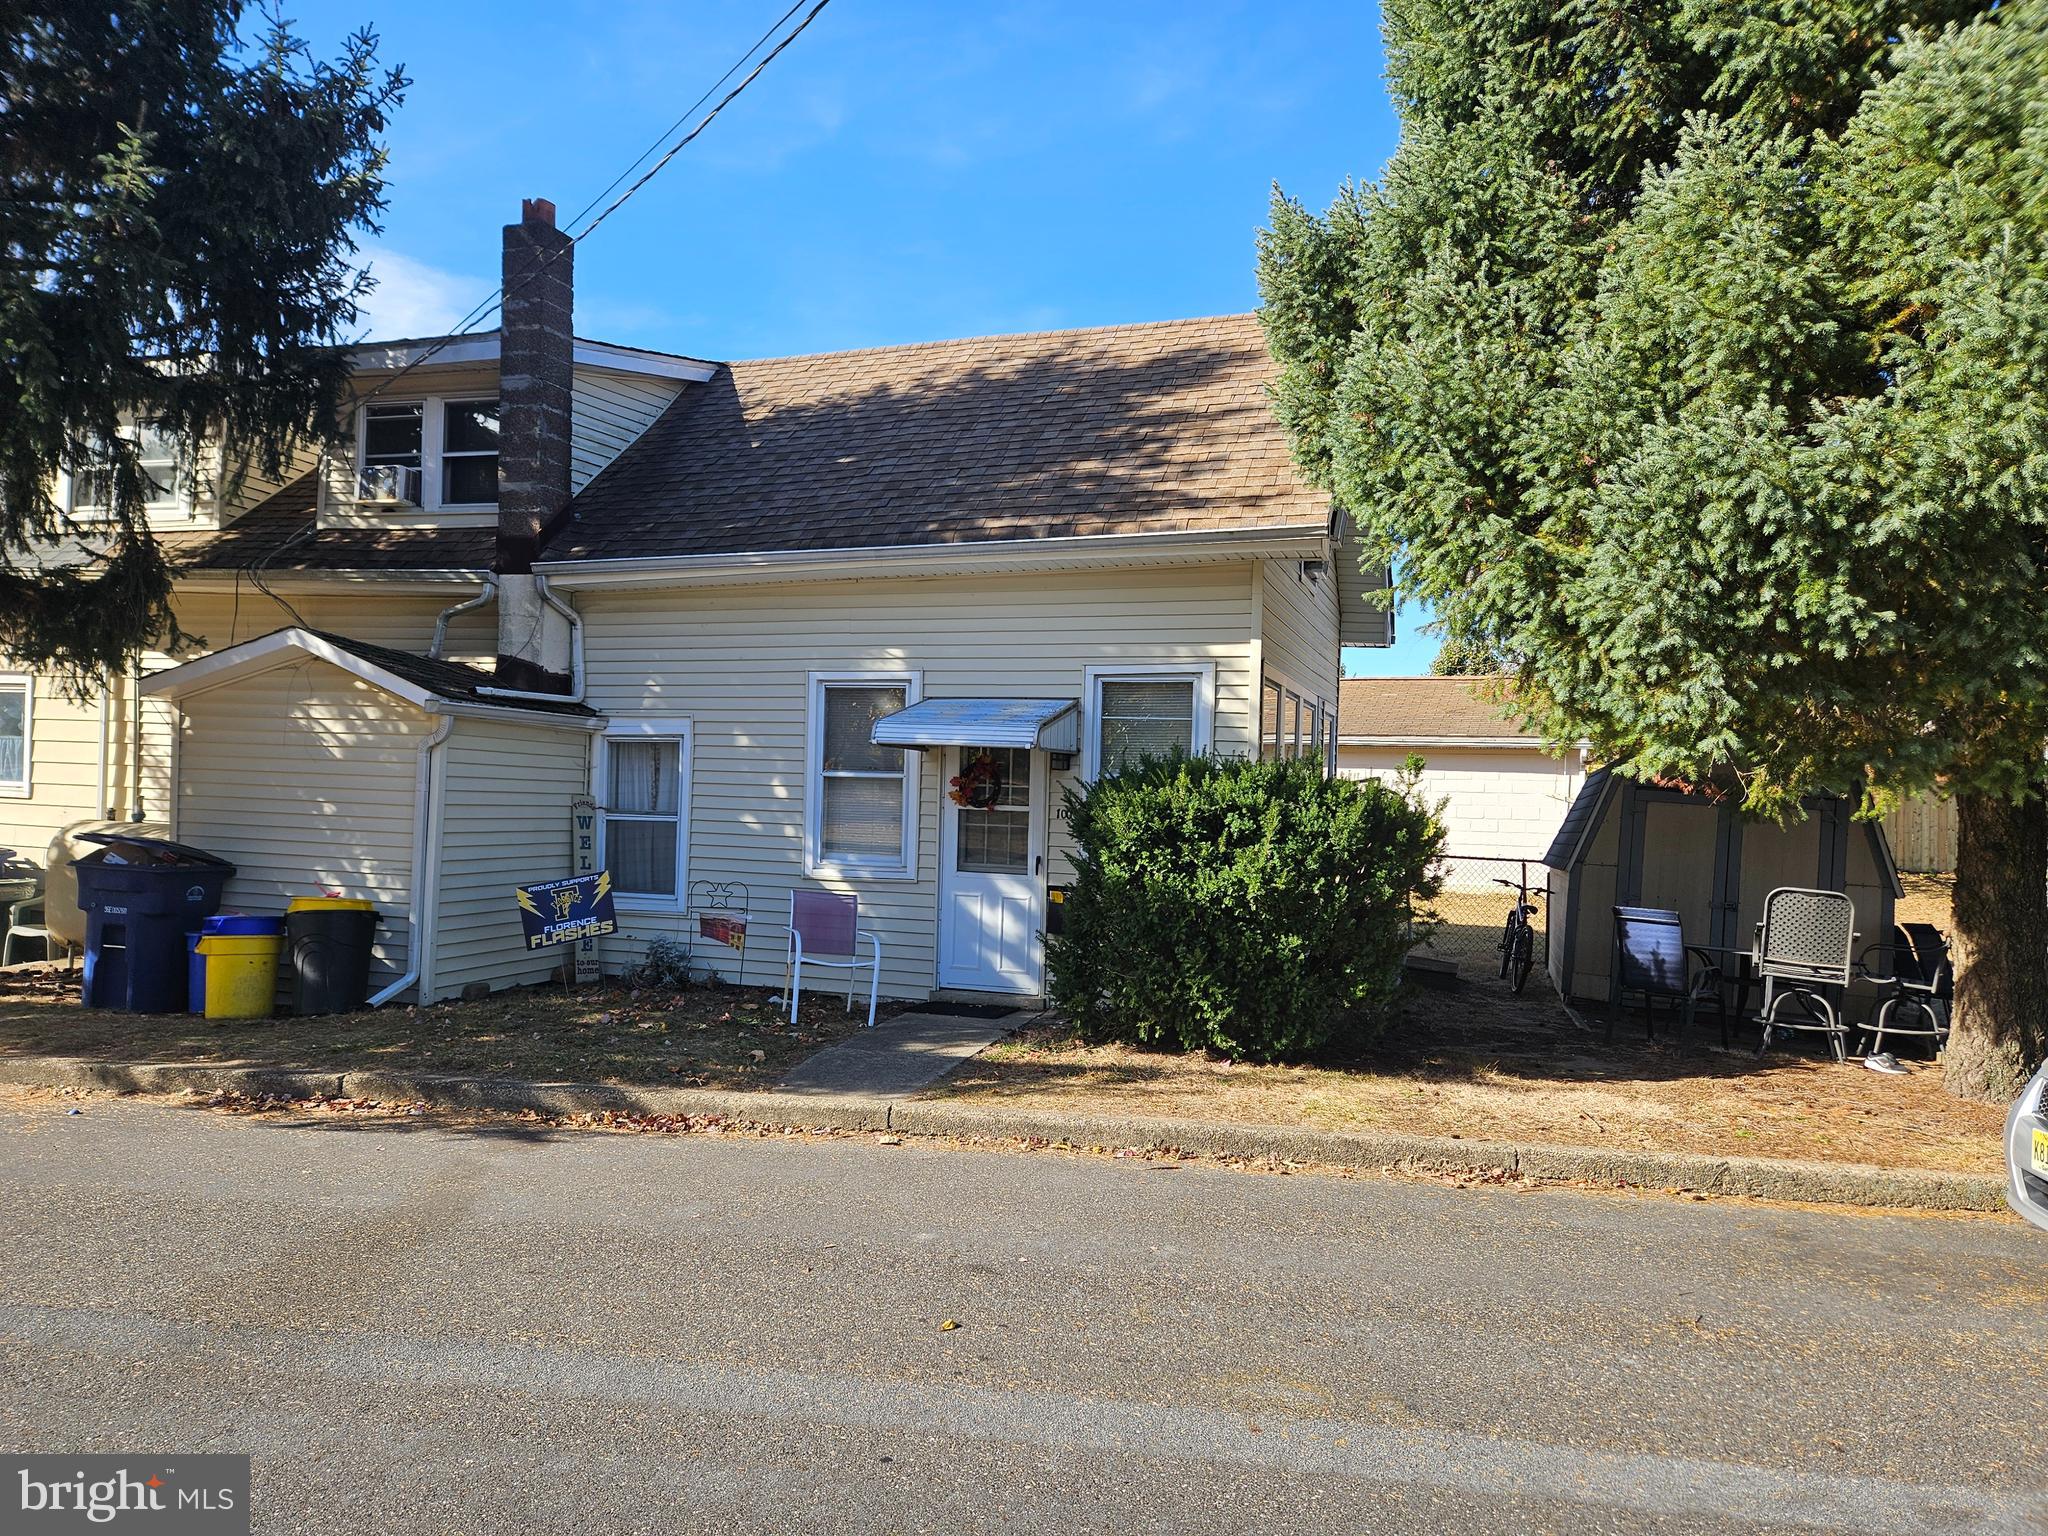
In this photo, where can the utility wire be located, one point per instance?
(662, 137)
(497, 298)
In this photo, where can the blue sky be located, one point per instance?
(904, 172)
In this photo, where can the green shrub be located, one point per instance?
(1254, 909)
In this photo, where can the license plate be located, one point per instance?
(2041, 1153)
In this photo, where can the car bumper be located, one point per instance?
(2026, 1152)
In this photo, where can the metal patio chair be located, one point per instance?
(1652, 958)
(824, 924)
(1806, 947)
(1914, 998)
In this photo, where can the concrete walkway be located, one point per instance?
(899, 1056)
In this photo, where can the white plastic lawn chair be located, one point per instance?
(824, 925)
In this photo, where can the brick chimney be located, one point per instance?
(535, 372)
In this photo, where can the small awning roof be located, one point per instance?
(1054, 724)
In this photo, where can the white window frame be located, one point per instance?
(177, 504)
(681, 731)
(433, 432)
(22, 789)
(447, 453)
(1201, 674)
(816, 863)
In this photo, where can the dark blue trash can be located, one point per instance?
(141, 896)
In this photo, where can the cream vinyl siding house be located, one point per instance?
(500, 818)
(735, 662)
(305, 779)
(318, 765)
(1044, 553)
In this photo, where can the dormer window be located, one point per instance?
(469, 452)
(428, 453)
(91, 485)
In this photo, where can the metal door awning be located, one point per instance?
(1051, 724)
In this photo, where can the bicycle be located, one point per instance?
(1518, 939)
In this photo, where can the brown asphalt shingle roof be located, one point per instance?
(1150, 428)
(1438, 708)
(1129, 429)
(278, 535)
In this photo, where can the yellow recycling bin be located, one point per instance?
(241, 969)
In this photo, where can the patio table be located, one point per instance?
(1741, 972)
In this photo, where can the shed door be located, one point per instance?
(1679, 841)
(1773, 856)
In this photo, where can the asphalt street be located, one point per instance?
(422, 1329)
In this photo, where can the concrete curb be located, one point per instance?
(1694, 1173)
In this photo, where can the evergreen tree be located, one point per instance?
(1463, 656)
(180, 208)
(1696, 357)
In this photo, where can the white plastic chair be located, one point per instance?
(822, 924)
(25, 925)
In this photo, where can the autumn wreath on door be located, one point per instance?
(979, 784)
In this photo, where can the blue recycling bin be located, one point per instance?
(234, 925)
(141, 896)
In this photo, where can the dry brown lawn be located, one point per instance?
(1928, 899)
(717, 1037)
(1476, 1063)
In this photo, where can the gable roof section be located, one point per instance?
(1581, 818)
(420, 680)
(1135, 429)
(1443, 710)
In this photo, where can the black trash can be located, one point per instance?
(140, 896)
(329, 939)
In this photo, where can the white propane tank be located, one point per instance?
(60, 882)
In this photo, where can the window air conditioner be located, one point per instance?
(390, 484)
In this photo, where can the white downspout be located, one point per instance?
(418, 918)
(575, 693)
(135, 805)
(100, 806)
(490, 591)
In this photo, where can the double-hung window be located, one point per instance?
(432, 453)
(17, 707)
(860, 806)
(646, 810)
(393, 449)
(1137, 713)
(156, 456)
(469, 453)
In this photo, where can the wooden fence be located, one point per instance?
(1922, 833)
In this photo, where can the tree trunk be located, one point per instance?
(2000, 1032)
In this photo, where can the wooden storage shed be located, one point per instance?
(1627, 843)
(314, 762)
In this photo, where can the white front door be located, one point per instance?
(992, 871)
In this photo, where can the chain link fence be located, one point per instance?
(1471, 913)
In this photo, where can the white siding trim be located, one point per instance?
(816, 865)
(1201, 674)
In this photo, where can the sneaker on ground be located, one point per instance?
(1884, 1061)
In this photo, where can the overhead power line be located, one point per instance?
(496, 299)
